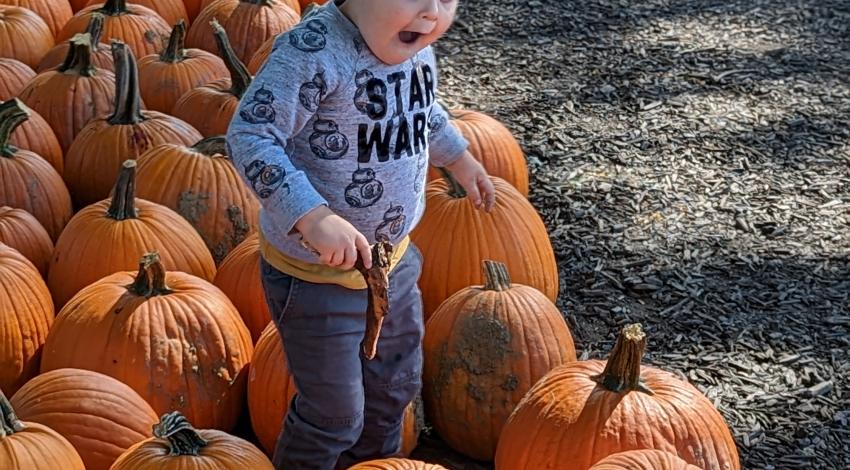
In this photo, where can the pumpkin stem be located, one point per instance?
(239, 76)
(113, 7)
(12, 114)
(95, 27)
(9, 422)
(78, 59)
(174, 51)
(455, 189)
(496, 276)
(622, 372)
(183, 438)
(128, 107)
(123, 204)
(211, 145)
(150, 281)
(265, 3)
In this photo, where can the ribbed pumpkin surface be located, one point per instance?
(14, 75)
(261, 55)
(396, 464)
(24, 36)
(171, 11)
(35, 135)
(139, 27)
(101, 55)
(21, 231)
(208, 108)
(238, 276)
(54, 12)
(643, 460)
(33, 446)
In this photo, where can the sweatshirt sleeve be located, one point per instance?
(282, 98)
(446, 143)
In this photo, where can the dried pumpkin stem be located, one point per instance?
(12, 114)
(182, 437)
(240, 79)
(377, 283)
(266, 3)
(95, 27)
(455, 189)
(622, 371)
(113, 7)
(496, 276)
(211, 146)
(123, 204)
(128, 106)
(78, 58)
(150, 281)
(174, 51)
(9, 422)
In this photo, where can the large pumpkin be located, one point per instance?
(101, 54)
(238, 276)
(14, 75)
(172, 337)
(94, 158)
(100, 416)
(165, 77)
(455, 238)
(485, 346)
(35, 135)
(135, 25)
(55, 13)
(171, 11)
(26, 313)
(21, 231)
(23, 35)
(646, 459)
(396, 464)
(33, 446)
(176, 445)
(110, 235)
(27, 181)
(584, 411)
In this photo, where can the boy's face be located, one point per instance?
(395, 30)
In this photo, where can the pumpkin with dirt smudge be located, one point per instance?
(646, 459)
(171, 11)
(238, 276)
(141, 28)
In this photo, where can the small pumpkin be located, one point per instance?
(135, 25)
(14, 75)
(101, 54)
(584, 411)
(55, 13)
(94, 158)
(177, 445)
(24, 36)
(36, 135)
(100, 416)
(21, 231)
(646, 459)
(171, 11)
(238, 276)
(396, 464)
(33, 446)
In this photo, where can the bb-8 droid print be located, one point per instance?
(364, 189)
(393, 224)
(259, 110)
(265, 179)
(310, 37)
(326, 141)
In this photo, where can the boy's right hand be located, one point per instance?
(336, 240)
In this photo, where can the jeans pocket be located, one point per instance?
(280, 290)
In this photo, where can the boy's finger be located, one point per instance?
(350, 257)
(474, 194)
(489, 192)
(338, 257)
(364, 249)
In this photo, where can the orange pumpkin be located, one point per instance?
(27, 181)
(261, 55)
(100, 416)
(454, 236)
(646, 459)
(171, 11)
(484, 347)
(35, 135)
(305, 3)
(238, 276)
(584, 411)
(193, 7)
(14, 75)
(176, 445)
(110, 235)
(21, 231)
(165, 77)
(94, 158)
(210, 107)
(172, 337)
(78, 5)
(32, 446)
(24, 36)
(135, 25)
(55, 13)
(101, 54)
(396, 464)
(492, 144)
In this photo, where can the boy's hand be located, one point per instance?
(474, 179)
(336, 240)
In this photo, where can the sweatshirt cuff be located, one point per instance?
(448, 147)
(290, 210)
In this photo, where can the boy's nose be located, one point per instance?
(429, 10)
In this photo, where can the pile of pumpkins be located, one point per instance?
(133, 323)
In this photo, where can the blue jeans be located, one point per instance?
(347, 408)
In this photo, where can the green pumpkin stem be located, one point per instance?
(211, 146)
(128, 106)
(175, 50)
(455, 189)
(9, 422)
(181, 436)
(496, 276)
(113, 7)
(95, 27)
(150, 281)
(78, 59)
(13, 113)
(123, 204)
(239, 76)
(622, 371)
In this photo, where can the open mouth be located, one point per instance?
(408, 37)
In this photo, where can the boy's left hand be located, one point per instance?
(474, 179)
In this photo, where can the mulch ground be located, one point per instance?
(691, 160)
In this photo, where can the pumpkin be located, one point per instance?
(261, 55)
(94, 158)
(55, 13)
(248, 22)
(135, 25)
(24, 36)
(27, 313)
(210, 107)
(492, 144)
(71, 95)
(512, 232)
(305, 3)
(28, 181)
(646, 459)
(165, 77)
(14, 75)
(201, 184)
(193, 7)
(396, 464)
(100, 416)
(171, 11)
(21, 231)
(177, 445)
(33, 446)
(484, 347)
(584, 411)
(172, 337)
(238, 276)
(294, 4)
(35, 135)
(110, 235)
(101, 54)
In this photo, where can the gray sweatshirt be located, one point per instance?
(326, 122)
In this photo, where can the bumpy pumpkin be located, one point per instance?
(21, 231)
(27, 313)
(101, 54)
(110, 235)
(165, 77)
(135, 25)
(24, 36)
(584, 411)
(100, 416)
(54, 12)
(172, 337)
(14, 75)
(27, 181)
(485, 346)
(512, 232)
(32, 446)
(176, 445)
(171, 11)
(95, 156)
(646, 459)
(396, 464)
(35, 135)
